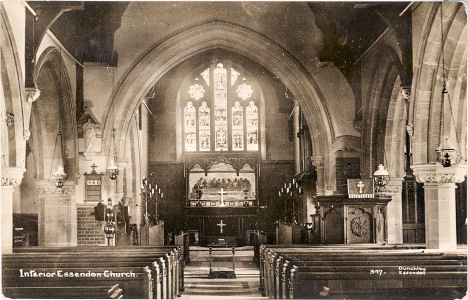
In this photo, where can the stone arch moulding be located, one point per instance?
(384, 75)
(52, 55)
(426, 86)
(16, 89)
(231, 37)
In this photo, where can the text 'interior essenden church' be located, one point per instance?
(233, 149)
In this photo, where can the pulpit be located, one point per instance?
(345, 220)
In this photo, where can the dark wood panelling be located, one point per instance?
(170, 177)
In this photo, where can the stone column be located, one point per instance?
(57, 216)
(11, 178)
(439, 202)
(394, 211)
(297, 145)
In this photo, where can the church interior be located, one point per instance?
(307, 150)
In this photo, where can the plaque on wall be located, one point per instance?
(93, 182)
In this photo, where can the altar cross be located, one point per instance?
(222, 193)
(360, 185)
(94, 168)
(221, 225)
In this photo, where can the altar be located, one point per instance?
(232, 224)
(221, 202)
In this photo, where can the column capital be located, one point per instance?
(31, 94)
(46, 187)
(317, 160)
(405, 92)
(394, 186)
(437, 174)
(12, 176)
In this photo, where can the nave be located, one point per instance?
(330, 133)
(280, 272)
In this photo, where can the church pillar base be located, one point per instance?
(11, 178)
(439, 201)
(7, 219)
(394, 211)
(57, 216)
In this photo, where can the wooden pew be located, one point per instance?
(99, 260)
(308, 272)
(68, 292)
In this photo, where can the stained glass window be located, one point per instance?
(220, 108)
(237, 127)
(244, 91)
(252, 126)
(204, 127)
(196, 91)
(190, 127)
(227, 112)
(206, 76)
(234, 75)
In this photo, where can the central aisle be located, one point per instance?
(198, 286)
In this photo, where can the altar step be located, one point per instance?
(203, 253)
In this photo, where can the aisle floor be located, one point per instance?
(199, 286)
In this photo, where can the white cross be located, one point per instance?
(222, 193)
(221, 225)
(360, 185)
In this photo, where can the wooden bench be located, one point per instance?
(65, 292)
(302, 272)
(99, 260)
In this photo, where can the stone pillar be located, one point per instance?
(57, 215)
(439, 202)
(11, 178)
(394, 211)
(297, 145)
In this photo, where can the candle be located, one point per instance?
(156, 186)
(159, 190)
(279, 194)
(294, 180)
(290, 184)
(162, 194)
(152, 191)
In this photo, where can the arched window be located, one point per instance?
(232, 98)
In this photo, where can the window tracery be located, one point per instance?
(226, 121)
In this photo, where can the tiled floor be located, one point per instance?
(198, 286)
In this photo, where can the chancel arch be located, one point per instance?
(164, 57)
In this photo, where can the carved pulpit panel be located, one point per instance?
(333, 225)
(359, 225)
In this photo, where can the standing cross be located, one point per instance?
(360, 185)
(221, 225)
(222, 193)
(94, 168)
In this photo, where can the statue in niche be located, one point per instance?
(89, 131)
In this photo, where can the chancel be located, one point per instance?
(236, 149)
